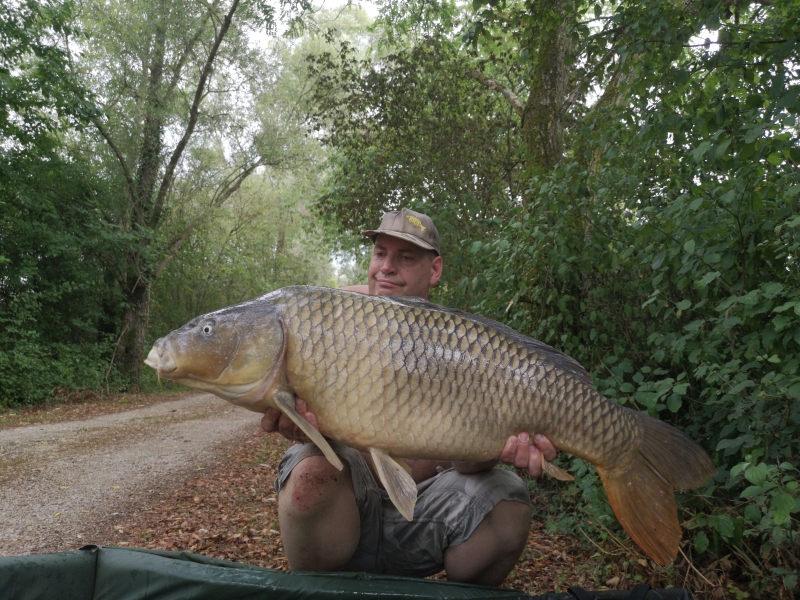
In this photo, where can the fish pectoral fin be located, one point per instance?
(398, 482)
(402, 463)
(284, 401)
(555, 471)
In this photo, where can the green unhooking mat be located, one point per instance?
(107, 573)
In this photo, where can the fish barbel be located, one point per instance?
(403, 377)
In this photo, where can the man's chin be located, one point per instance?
(387, 290)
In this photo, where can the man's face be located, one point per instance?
(400, 268)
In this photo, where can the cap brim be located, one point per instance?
(404, 236)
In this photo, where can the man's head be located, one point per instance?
(406, 257)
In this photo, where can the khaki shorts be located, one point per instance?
(449, 508)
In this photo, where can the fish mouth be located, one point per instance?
(161, 361)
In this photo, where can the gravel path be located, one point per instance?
(61, 484)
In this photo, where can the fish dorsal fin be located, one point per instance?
(284, 401)
(398, 482)
(555, 471)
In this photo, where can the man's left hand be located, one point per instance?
(525, 452)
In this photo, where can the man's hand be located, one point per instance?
(526, 453)
(276, 421)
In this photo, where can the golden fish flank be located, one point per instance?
(406, 377)
(415, 222)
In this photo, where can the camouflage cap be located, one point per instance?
(409, 225)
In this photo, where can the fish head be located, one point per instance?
(234, 353)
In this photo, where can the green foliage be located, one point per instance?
(36, 89)
(416, 129)
(57, 300)
(661, 252)
(57, 255)
(257, 244)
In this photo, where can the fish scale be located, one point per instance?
(485, 380)
(403, 377)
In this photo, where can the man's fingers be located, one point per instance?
(521, 457)
(269, 421)
(311, 418)
(534, 461)
(509, 452)
(545, 446)
(287, 427)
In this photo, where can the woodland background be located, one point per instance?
(617, 179)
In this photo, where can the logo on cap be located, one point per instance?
(415, 222)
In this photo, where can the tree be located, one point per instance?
(658, 252)
(258, 243)
(176, 80)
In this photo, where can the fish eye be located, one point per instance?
(208, 327)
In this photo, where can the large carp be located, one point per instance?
(403, 377)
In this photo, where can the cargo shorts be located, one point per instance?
(449, 507)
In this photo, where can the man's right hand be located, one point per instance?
(275, 421)
(525, 452)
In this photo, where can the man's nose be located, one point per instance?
(388, 265)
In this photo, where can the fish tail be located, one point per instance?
(641, 493)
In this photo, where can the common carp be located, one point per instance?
(404, 377)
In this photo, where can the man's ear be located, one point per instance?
(436, 270)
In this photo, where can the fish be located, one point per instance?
(402, 377)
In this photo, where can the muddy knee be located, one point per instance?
(313, 484)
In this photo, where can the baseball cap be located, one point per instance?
(409, 225)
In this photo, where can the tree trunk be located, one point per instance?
(130, 351)
(136, 286)
(543, 116)
(149, 181)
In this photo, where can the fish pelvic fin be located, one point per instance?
(398, 482)
(641, 494)
(284, 401)
(555, 471)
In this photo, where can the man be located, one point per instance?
(470, 519)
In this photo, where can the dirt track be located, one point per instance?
(63, 483)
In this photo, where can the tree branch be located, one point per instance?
(187, 50)
(194, 112)
(176, 242)
(518, 106)
(118, 153)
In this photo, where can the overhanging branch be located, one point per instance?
(221, 196)
(491, 84)
(118, 153)
(169, 174)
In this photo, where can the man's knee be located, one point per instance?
(507, 525)
(491, 551)
(319, 517)
(313, 485)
